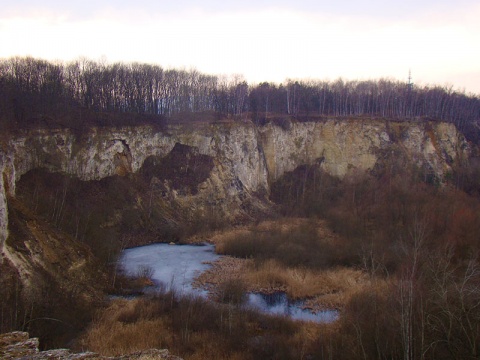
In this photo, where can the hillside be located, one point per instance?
(70, 202)
(360, 196)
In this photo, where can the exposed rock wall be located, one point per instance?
(247, 158)
(104, 152)
(356, 144)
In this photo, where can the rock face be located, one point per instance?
(246, 159)
(345, 145)
(18, 345)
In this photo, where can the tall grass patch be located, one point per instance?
(301, 244)
(197, 329)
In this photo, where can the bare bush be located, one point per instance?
(144, 272)
(232, 291)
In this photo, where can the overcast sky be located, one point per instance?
(263, 40)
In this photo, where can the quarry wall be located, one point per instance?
(247, 158)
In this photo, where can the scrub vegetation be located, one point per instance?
(419, 244)
(196, 329)
(395, 252)
(403, 270)
(300, 257)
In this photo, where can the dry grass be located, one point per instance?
(220, 237)
(121, 329)
(275, 270)
(324, 289)
(117, 338)
(328, 288)
(197, 329)
(291, 241)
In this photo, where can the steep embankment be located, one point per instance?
(246, 159)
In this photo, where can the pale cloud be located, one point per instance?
(267, 45)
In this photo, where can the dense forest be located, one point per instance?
(86, 91)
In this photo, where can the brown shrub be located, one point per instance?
(196, 329)
(232, 291)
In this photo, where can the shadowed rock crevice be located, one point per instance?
(183, 169)
(122, 159)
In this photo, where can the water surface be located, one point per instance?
(176, 266)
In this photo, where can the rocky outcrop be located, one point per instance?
(18, 345)
(341, 146)
(246, 158)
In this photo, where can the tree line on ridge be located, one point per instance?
(31, 88)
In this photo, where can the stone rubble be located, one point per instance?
(19, 345)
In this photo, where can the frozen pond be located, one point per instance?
(176, 266)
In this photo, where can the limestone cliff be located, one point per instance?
(246, 158)
(344, 145)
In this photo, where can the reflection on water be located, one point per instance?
(176, 266)
(278, 304)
